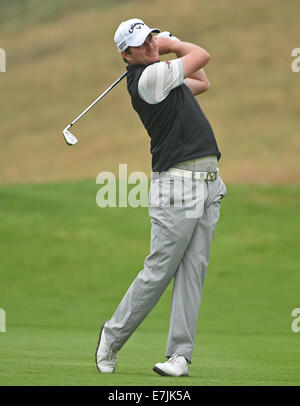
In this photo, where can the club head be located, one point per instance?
(69, 137)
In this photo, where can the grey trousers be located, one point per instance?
(179, 249)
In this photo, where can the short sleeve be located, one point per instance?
(158, 79)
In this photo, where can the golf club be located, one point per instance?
(69, 137)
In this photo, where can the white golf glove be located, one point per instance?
(167, 34)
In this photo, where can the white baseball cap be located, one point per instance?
(132, 33)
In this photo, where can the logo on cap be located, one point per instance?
(138, 26)
(122, 45)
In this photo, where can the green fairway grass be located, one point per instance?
(66, 263)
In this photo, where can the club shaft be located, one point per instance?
(96, 101)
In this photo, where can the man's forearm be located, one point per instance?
(193, 57)
(181, 48)
(197, 81)
(184, 49)
(200, 75)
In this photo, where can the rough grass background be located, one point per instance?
(61, 56)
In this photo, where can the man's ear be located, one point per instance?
(124, 56)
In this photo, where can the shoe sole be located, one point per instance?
(163, 373)
(101, 330)
(159, 371)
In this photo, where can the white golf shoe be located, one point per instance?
(176, 365)
(106, 358)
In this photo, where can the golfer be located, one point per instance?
(185, 193)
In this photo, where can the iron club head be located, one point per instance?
(69, 137)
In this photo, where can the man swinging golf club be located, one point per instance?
(184, 150)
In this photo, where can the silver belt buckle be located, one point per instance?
(211, 176)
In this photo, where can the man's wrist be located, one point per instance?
(177, 47)
(181, 48)
(167, 34)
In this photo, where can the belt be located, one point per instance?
(209, 176)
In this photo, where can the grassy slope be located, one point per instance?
(65, 264)
(61, 56)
